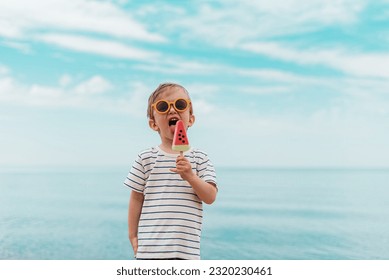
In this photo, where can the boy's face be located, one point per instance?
(161, 122)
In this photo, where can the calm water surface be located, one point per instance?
(259, 214)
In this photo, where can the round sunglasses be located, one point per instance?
(163, 106)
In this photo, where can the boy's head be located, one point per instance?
(168, 103)
(164, 88)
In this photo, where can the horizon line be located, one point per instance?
(68, 168)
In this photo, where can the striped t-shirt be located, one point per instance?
(171, 217)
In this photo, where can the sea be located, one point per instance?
(259, 214)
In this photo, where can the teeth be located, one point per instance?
(173, 121)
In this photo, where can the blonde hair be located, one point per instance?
(158, 91)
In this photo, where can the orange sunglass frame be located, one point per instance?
(188, 102)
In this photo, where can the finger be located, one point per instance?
(182, 165)
(173, 170)
(182, 159)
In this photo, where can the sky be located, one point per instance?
(273, 83)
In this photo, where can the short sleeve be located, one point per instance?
(136, 179)
(205, 169)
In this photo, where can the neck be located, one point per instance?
(167, 147)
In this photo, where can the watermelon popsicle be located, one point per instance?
(180, 139)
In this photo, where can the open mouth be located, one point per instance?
(173, 121)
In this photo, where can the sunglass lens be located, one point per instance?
(162, 106)
(181, 104)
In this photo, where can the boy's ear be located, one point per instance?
(153, 125)
(192, 119)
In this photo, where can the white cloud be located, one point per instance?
(94, 85)
(199, 91)
(367, 64)
(265, 90)
(85, 94)
(226, 24)
(102, 47)
(268, 74)
(104, 26)
(23, 47)
(338, 11)
(7, 28)
(4, 70)
(135, 103)
(349, 62)
(179, 66)
(65, 80)
(276, 50)
(20, 18)
(7, 89)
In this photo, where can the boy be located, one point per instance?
(168, 188)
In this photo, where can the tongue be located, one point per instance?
(172, 128)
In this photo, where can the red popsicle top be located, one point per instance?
(180, 139)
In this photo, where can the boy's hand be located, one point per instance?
(183, 167)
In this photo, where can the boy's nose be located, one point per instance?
(172, 110)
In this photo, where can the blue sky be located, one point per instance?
(274, 83)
